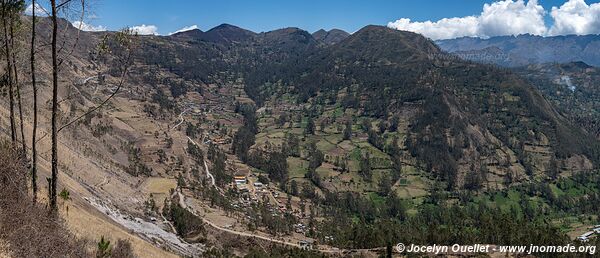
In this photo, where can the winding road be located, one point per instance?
(181, 119)
(208, 174)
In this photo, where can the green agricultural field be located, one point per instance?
(297, 167)
(325, 146)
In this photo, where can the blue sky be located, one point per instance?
(264, 15)
(437, 19)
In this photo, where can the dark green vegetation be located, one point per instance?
(525, 214)
(573, 88)
(186, 223)
(459, 117)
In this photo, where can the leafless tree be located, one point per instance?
(5, 24)
(16, 7)
(123, 42)
(54, 161)
(35, 111)
(121, 45)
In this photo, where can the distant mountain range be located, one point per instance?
(509, 51)
(330, 37)
(524, 50)
(226, 33)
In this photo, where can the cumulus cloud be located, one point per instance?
(575, 17)
(193, 27)
(508, 17)
(512, 18)
(39, 10)
(145, 29)
(443, 29)
(87, 27)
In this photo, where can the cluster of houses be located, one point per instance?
(241, 183)
(585, 237)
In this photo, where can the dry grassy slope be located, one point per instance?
(80, 174)
(90, 165)
(95, 165)
(4, 250)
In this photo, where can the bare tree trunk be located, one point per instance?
(34, 88)
(18, 87)
(13, 132)
(54, 107)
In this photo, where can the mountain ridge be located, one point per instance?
(527, 49)
(330, 37)
(221, 34)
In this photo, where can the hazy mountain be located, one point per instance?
(330, 37)
(195, 33)
(224, 33)
(526, 49)
(287, 36)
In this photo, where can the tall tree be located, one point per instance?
(54, 161)
(34, 88)
(310, 126)
(7, 49)
(15, 10)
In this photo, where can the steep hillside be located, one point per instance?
(573, 87)
(526, 49)
(42, 234)
(377, 127)
(464, 121)
(17, 209)
(463, 118)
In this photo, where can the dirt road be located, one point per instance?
(208, 174)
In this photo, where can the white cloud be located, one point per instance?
(575, 17)
(512, 18)
(193, 27)
(39, 10)
(87, 27)
(145, 29)
(443, 29)
(507, 17)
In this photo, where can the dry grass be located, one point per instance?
(4, 250)
(28, 228)
(86, 223)
(159, 185)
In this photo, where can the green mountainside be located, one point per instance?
(466, 124)
(377, 138)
